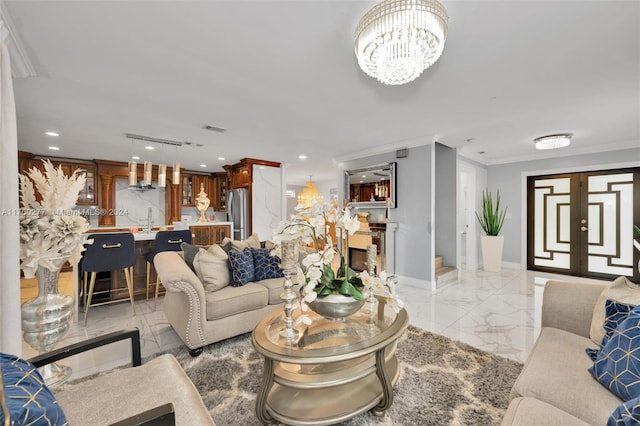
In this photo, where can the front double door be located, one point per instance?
(582, 223)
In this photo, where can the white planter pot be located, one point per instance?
(492, 252)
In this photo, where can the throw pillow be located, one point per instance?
(620, 290)
(212, 268)
(190, 252)
(28, 400)
(252, 242)
(265, 265)
(626, 414)
(615, 314)
(242, 270)
(618, 363)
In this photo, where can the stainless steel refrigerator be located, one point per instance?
(238, 212)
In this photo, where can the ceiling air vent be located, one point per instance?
(214, 128)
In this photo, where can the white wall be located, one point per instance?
(414, 255)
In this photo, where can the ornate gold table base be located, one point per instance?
(323, 382)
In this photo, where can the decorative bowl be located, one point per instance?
(335, 306)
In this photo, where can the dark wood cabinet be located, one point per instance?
(191, 185)
(218, 188)
(206, 235)
(87, 195)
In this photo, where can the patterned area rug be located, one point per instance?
(441, 382)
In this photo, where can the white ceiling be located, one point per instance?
(281, 76)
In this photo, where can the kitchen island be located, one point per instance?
(112, 285)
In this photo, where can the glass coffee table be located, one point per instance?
(333, 370)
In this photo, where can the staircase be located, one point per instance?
(444, 274)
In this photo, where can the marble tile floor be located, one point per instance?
(496, 312)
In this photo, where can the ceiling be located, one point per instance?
(282, 78)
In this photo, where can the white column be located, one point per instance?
(390, 242)
(10, 326)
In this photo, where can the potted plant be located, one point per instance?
(491, 221)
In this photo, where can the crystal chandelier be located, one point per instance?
(553, 141)
(309, 194)
(398, 39)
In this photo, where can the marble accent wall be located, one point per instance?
(132, 205)
(267, 199)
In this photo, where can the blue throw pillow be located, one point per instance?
(626, 414)
(618, 363)
(242, 270)
(27, 398)
(265, 265)
(615, 313)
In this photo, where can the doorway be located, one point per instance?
(582, 223)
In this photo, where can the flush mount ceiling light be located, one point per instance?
(553, 141)
(398, 39)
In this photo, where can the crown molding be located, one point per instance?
(21, 66)
(383, 149)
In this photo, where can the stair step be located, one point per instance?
(451, 275)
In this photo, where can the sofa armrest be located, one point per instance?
(185, 302)
(87, 345)
(163, 415)
(569, 305)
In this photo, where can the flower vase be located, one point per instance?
(335, 306)
(46, 318)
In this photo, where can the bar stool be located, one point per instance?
(109, 252)
(165, 241)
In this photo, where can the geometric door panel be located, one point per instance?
(552, 223)
(582, 223)
(610, 224)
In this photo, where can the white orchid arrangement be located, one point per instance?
(309, 225)
(50, 227)
(381, 286)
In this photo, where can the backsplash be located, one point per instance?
(132, 205)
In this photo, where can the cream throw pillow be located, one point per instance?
(212, 268)
(620, 290)
(252, 242)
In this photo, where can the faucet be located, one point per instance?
(149, 221)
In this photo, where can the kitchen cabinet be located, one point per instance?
(87, 195)
(191, 185)
(206, 235)
(218, 189)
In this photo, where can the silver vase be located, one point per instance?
(46, 318)
(288, 263)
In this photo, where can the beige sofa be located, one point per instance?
(554, 387)
(202, 318)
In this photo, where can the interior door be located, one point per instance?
(582, 223)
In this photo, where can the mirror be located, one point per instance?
(373, 186)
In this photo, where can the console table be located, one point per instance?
(333, 371)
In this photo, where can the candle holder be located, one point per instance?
(288, 265)
(372, 252)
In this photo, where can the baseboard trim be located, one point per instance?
(511, 265)
(415, 282)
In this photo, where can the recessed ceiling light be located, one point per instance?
(135, 157)
(203, 165)
(302, 157)
(54, 148)
(221, 158)
(361, 181)
(364, 176)
(149, 147)
(54, 134)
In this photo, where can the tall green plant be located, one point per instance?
(492, 217)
